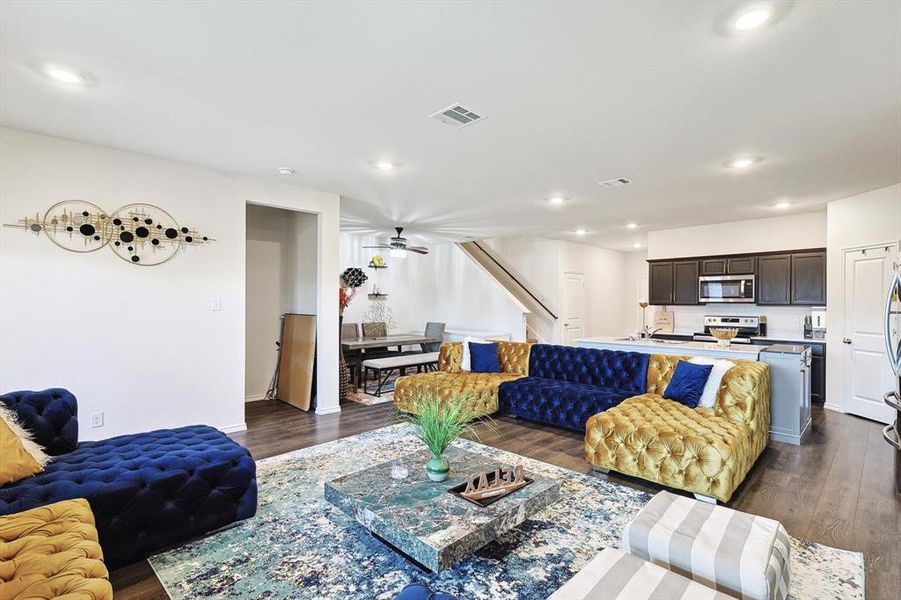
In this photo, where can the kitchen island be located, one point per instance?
(672, 347)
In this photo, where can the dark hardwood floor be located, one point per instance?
(836, 490)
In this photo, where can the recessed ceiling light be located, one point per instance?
(64, 75)
(556, 200)
(631, 225)
(580, 231)
(286, 170)
(742, 163)
(385, 165)
(636, 245)
(782, 205)
(752, 19)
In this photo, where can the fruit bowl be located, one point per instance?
(724, 335)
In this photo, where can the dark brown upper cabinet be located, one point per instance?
(713, 266)
(738, 265)
(673, 282)
(782, 278)
(660, 283)
(685, 286)
(808, 285)
(774, 279)
(741, 265)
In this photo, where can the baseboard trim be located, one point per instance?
(234, 428)
(255, 398)
(833, 407)
(328, 411)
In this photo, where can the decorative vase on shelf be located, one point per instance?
(437, 468)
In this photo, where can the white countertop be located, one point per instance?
(746, 351)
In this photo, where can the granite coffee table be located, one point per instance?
(426, 523)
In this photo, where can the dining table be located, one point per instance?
(355, 348)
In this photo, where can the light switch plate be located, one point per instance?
(97, 419)
(216, 304)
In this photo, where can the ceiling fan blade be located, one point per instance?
(380, 247)
(418, 249)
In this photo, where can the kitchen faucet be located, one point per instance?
(647, 333)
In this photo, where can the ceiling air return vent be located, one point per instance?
(615, 183)
(457, 116)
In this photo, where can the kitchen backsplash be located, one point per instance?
(781, 320)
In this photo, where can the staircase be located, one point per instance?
(535, 309)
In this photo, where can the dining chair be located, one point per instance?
(375, 329)
(350, 331)
(433, 329)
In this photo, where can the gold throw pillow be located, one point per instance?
(20, 456)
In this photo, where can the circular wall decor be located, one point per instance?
(75, 225)
(141, 234)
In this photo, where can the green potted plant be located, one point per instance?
(437, 423)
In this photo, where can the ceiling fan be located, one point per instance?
(397, 246)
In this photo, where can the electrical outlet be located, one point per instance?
(216, 304)
(97, 419)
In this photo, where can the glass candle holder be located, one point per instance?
(399, 470)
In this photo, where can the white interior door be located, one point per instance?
(573, 307)
(866, 372)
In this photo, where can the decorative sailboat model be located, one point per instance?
(485, 488)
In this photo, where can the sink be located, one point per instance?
(656, 341)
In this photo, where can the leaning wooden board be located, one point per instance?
(297, 360)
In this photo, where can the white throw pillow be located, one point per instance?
(720, 366)
(465, 364)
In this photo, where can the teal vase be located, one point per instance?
(437, 468)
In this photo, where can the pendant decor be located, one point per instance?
(140, 234)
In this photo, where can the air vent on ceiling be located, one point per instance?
(457, 116)
(615, 183)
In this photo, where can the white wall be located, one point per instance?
(789, 232)
(635, 289)
(141, 344)
(444, 285)
(540, 264)
(280, 264)
(866, 219)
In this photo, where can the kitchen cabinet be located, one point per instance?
(808, 278)
(817, 365)
(660, 283)
(673, 282)
(782, 278)
(774, 279)
(729, 265)
(685, 282)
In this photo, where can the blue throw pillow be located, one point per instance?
(484, 358)
(687, 383)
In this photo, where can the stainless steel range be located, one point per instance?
(748, 327)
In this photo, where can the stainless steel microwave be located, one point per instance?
(726, 288)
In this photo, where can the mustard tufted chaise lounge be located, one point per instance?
(450, 381)
(52, 552)
(704, 451)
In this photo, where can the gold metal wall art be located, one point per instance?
(140, 234)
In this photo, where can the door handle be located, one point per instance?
(891, 398)
(846, 340)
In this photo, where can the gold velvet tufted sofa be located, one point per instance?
(52, 552)
(705, 451)
(449, 380)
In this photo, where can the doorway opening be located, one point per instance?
(281, 292)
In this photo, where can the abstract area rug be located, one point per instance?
(300, 546)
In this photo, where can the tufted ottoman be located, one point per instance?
(739, 554)
(52, 552)
(147, 490)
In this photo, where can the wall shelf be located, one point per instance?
(377, 296)
(376, 266)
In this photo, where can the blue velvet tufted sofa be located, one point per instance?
(147, 490)
(566, 385)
